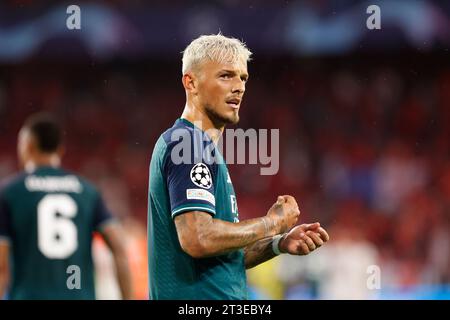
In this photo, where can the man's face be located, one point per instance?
(220, 89)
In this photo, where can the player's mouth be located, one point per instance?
(233, 103)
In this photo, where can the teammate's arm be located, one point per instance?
(5, 236)
(4, 267)
(201, 235)
(113, 235)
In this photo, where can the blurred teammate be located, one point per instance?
(47, 217)
(198, 248)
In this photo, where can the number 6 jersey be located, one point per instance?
(48, 217)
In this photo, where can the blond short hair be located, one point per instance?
(215, 47)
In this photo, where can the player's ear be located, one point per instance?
(189, 83)
(61, 151)
(31, 145)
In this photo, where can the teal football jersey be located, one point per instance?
(178, 187)
(48, 217)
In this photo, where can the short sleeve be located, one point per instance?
(190, 186)
(101, 214)
(5, 219)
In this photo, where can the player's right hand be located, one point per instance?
(283, 214)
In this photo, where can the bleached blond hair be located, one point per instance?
(215, 47)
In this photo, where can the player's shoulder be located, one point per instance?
(186, 136)
(11, 182)
(68, 181)
(87, 185)
(181, 130)
(183, 143)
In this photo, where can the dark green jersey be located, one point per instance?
(182, 179)
(48, 217)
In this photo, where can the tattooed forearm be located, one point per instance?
(258, 252)
(201, 236)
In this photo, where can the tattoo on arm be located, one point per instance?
(202, 233)
(258, 252)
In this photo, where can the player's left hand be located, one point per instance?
(303, 239)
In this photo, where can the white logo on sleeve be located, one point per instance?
(201, 194)
(201, 176)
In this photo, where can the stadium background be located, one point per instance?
(364, 119)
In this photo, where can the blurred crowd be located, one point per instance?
(364, 148)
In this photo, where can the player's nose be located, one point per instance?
(238, 87)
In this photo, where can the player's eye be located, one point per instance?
(225, 76)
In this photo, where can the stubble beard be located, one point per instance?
(219, 120)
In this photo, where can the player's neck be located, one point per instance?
(201, 120)
(51, 160)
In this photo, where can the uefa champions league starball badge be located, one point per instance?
(201, 176)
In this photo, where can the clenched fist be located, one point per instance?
(282, 215)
